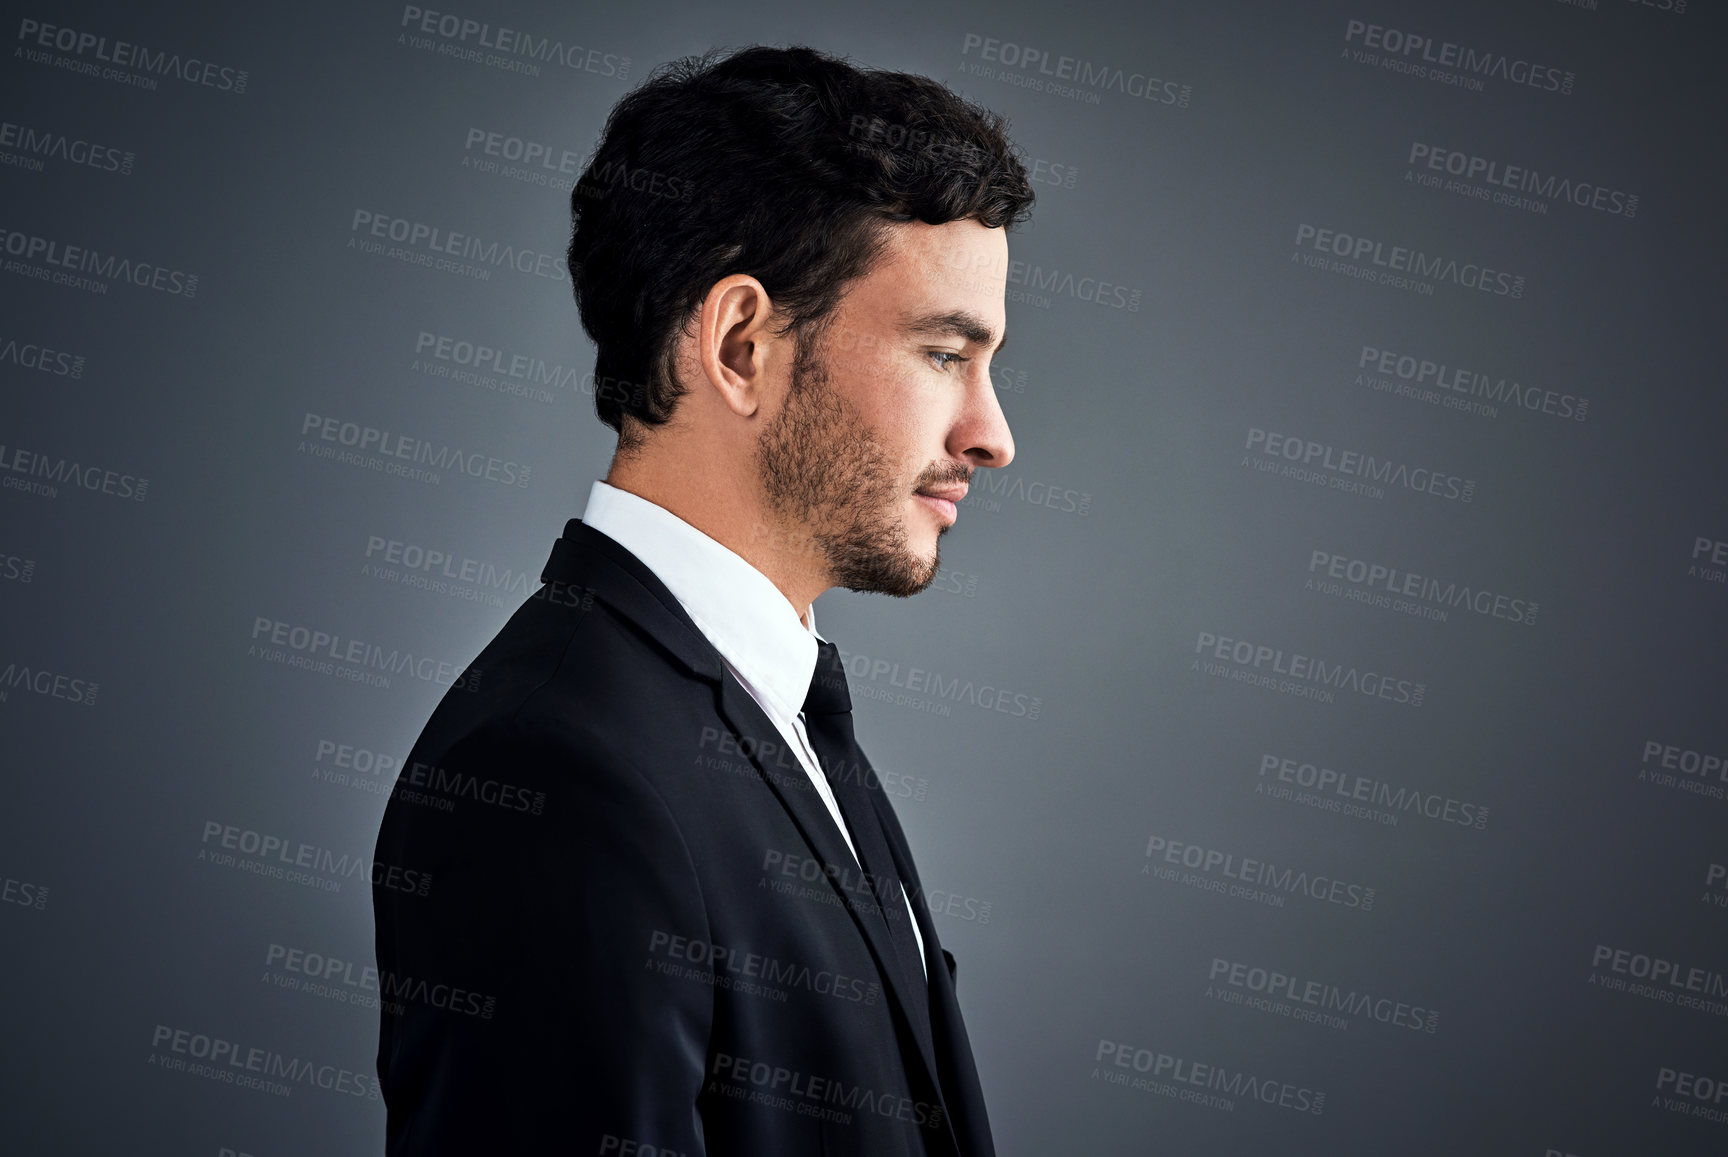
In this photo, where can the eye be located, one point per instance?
(954, 359)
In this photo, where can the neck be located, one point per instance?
(727, 506)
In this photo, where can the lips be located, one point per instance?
(953, 493)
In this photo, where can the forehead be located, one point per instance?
(959, 267)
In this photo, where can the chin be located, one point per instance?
(926, 545)
(929, 563)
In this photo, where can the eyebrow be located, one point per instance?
(956, 323)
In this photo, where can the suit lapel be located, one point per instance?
(854, 798)
(810, 814)
(959, 1073)
(594, 561)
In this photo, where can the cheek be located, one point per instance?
(905, 411)
(910, 432)
(891, 403)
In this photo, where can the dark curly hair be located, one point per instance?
(782, 163)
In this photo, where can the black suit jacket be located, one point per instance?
(642, 931)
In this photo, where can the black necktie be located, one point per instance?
(828, 721)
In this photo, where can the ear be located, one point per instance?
(736, 341)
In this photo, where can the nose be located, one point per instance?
(981, 435)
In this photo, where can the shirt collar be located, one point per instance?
(740, 610)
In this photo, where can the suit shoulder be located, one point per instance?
(554, 666)
(582, 719)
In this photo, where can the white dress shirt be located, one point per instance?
(741, 612)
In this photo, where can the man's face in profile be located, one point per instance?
(893, 398)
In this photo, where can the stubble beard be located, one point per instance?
(833, 485)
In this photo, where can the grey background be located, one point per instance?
(1036, 827)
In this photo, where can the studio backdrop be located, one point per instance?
(1313, 744)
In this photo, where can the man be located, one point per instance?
(670, 909)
